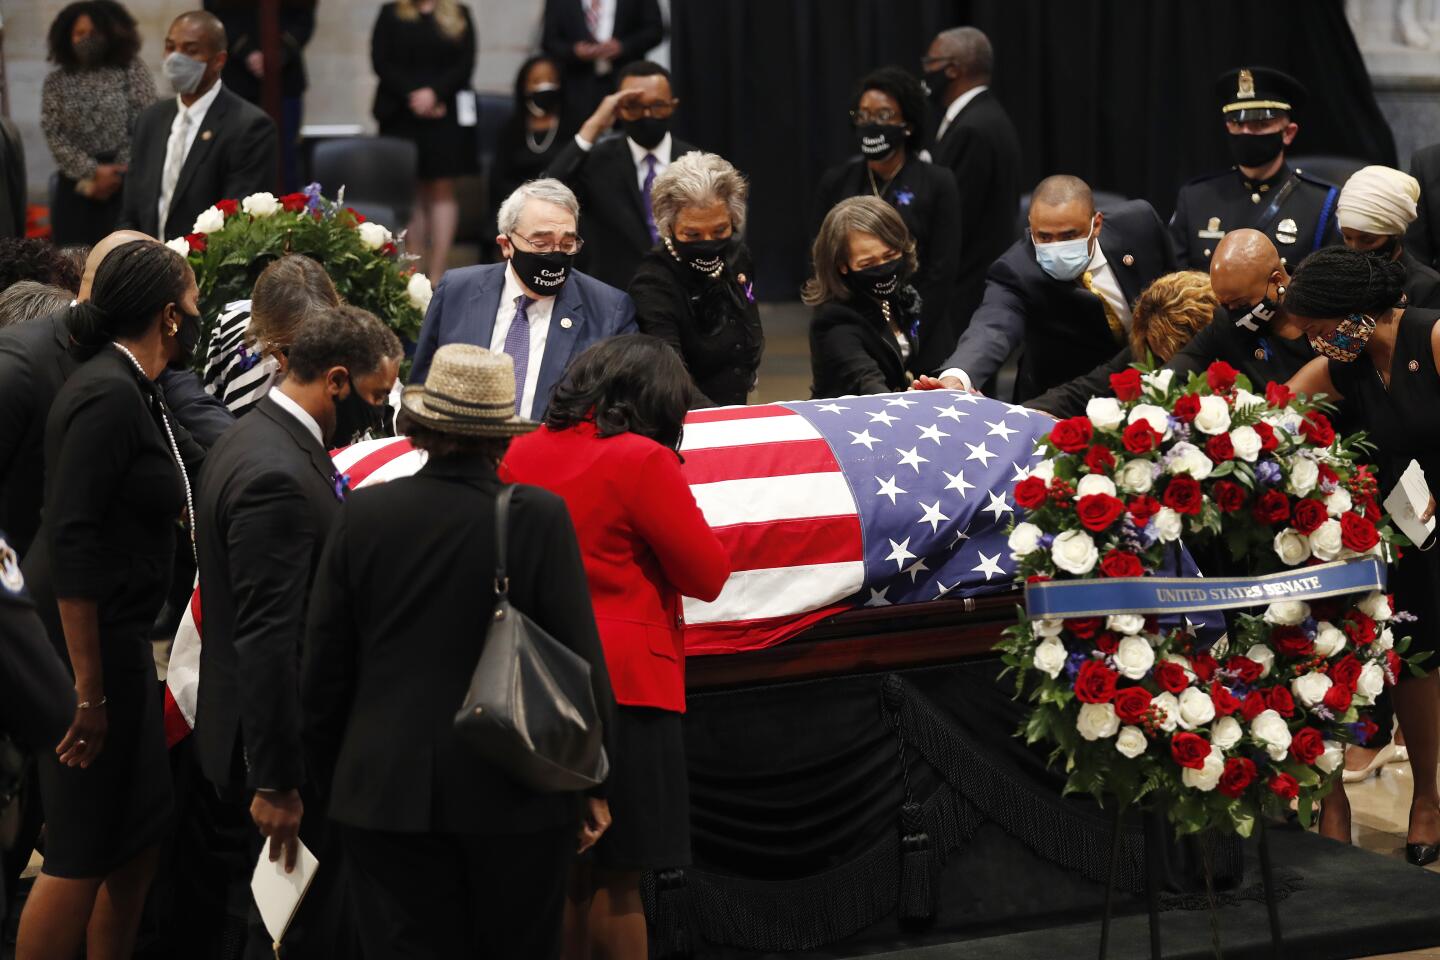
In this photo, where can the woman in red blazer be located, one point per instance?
(609, 448)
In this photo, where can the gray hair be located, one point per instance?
(549, 189)
(695, 180)
(27, 299)
(970, 49)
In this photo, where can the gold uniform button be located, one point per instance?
(1207, 251)
(1128, 260)
(1259, 354)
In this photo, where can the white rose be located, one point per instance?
(1262, 655)
(1126, 623)
(1188, 458)
(1074, 552)
(1134, 657)
(1168, 524)
(180, 245)
(1131, 742)
(1376, 606)
(1093, 483)
(1244, 400)
(1049, 628)
(260, 205)
(1159, 380)
(1135, 476)
(419, 291)
(1024, 540)
(373, 236)
(1332, 758)
(1329, 639)
(1167, 708)
(1287, 613)
(1097, 721)
(1246, 443)
(1325, 542)
(1338, 502)
(1046, 470)
(209, 221)
(1311, 688)
(1292, 547)
(1304, 474)
(1208, 776)
(1214, 416)
(1157, 417)
(1270, 729)
(1226, 733)
(1385, 641)
(1105, 412)
(1196, 708)
(1371, 681)
(1288, 421)
(1050, 657)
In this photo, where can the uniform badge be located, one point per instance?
(11, 579)
(1286, 231)
(1212, 230)
(1246, 88)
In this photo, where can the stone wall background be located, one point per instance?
(1400, 40)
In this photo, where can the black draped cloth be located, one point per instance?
(1119, 92)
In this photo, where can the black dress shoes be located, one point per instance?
(1421, 854)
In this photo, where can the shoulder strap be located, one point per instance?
(502, 522)
(1277, 201)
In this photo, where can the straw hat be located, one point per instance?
(468, 391)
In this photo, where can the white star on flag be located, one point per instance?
(979, 452)
(900, 552)
(960, 536)
(882, 416)
(899, 402)
(933, 516)
(997, 506)
(831, 407)
(957, 482)
(888, 489)
(1017, 408)
(1021, 473)
(1000, 429)
(877, 598)
(988, 565)
(863, 437)
(970, 397)
(942, 589)
(916, 568)
(912, 457)
(950, 412)
(933, 432)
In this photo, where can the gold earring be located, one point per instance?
(174, 329)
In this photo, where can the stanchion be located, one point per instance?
(1267, 880)
(1154, 837)
(1110, 880)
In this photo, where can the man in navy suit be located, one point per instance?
(536, 306)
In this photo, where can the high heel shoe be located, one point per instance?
(1384, 755)
(1421, 854)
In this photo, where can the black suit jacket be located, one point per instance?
(852, 351)
(397, 623)
(265, 504)
(1423, 237)
(232, 157)
(638, 26)
(1422, 282)
(1061, 325)
(982, 149)
(612, 210)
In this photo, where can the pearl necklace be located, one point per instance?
(542, 144)
(711, 272)
(174, 451)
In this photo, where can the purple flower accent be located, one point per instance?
(313, 192)
(342, 485)
(1046, 539)
(1357, 732)
(750, 292)
(1268, 472)
(903, 198)
(1073, 662)
(246, 358)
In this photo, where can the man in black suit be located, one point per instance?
(1063, 291)
(592, 39)
(612, 177)
(1422, 238)
(977, 141)
(204, 146)
(267, 496)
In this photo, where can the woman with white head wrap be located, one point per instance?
(1375, 206)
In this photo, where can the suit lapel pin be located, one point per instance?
(341, 483)
(1414, 365)
(1128, 260)
(207, 134)
(566, 323)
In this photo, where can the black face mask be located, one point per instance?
(879, 140)
(936, 81)
(543, 273)
(1389, 250)
(1256, 149)
(353, 417)
(91, 50)
(543, 100)
(187, 335)
(880, 281)
(647, 131)
(704, 256)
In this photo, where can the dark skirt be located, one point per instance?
(78, 221)
(649, 792)
(446, 149)
(1415, 585)
(99, 818)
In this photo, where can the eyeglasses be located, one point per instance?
(660, 110)
(927, 63)
(545, 243)
(884, 117)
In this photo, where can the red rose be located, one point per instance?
(1278, 395)
(1126, 384)
(294, 202)
(1220, 448)
(1338, 698)
(1273, 507)
(1307, 745)
(1098, 510)
(1253, 705)
(1100, 459)
(197, 242)
(1095, 683)
(1357, 533)
(1316, 428)
(389, 250)
(1189, 750)
(1327, 474)
(1369, 509)
(1284, 786)
(228, 207)
(1118, 563)
(359, 217)
(1238, 774)
(1225, 702)
(1308, 516)
(1107, 642)
(1131, 704)
(1142, 508)
(1229, 497)
(1204, 666)
(1086, 628)
(1183, 495)
(1359, 628)
(1140, 437)
(1187, 408)
(1031, 493)
(1268, 440)
(1346, 672)
(1171, 676)
(1221, 376)
(1292, 641)
(1072, 435)
(1366, 728)
(1245, 670)
(1280, 701)
(1392, 667)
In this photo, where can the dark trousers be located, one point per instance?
(431, 896)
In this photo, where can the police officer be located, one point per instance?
(1262, 190)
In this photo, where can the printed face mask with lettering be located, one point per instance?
(543, 273)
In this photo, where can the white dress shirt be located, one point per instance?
(956, 105)
(539, 314)
(298, 412)
(605, 20)
(637, 153)
(196, 111)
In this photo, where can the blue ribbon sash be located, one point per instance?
(1104, 597)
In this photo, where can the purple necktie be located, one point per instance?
(517, 344)
(650, 162)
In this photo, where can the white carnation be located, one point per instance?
(1157, 417)
(1214, 416)
(1262, 655)
(1339, 502)
(1376, 606)
(1105, 412)
(180, 245)
(1167, 708)
(209, 221)
(260, 205)
(1287, 613)
(419, 291)
(1074, 552)
(1050, 657)
(1292, 547)
(1311, 688)
(1134, 657)
(373, 236)
(1304, 474)
(1246, 443)
(1135, 476)
(1226, 733)
(1207, 778)
(1097, 721)
(1325, 541)
(1131, 742)
(1196, 708)
(1126, 623)
(1270, 729)
(1168, 525)
(1329, 639)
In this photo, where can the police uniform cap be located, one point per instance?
(1258, 93)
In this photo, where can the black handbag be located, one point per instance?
(530, 709)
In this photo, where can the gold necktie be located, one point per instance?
(1117, 329)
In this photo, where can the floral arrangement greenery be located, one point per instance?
(1226, 733)
(234, 240)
